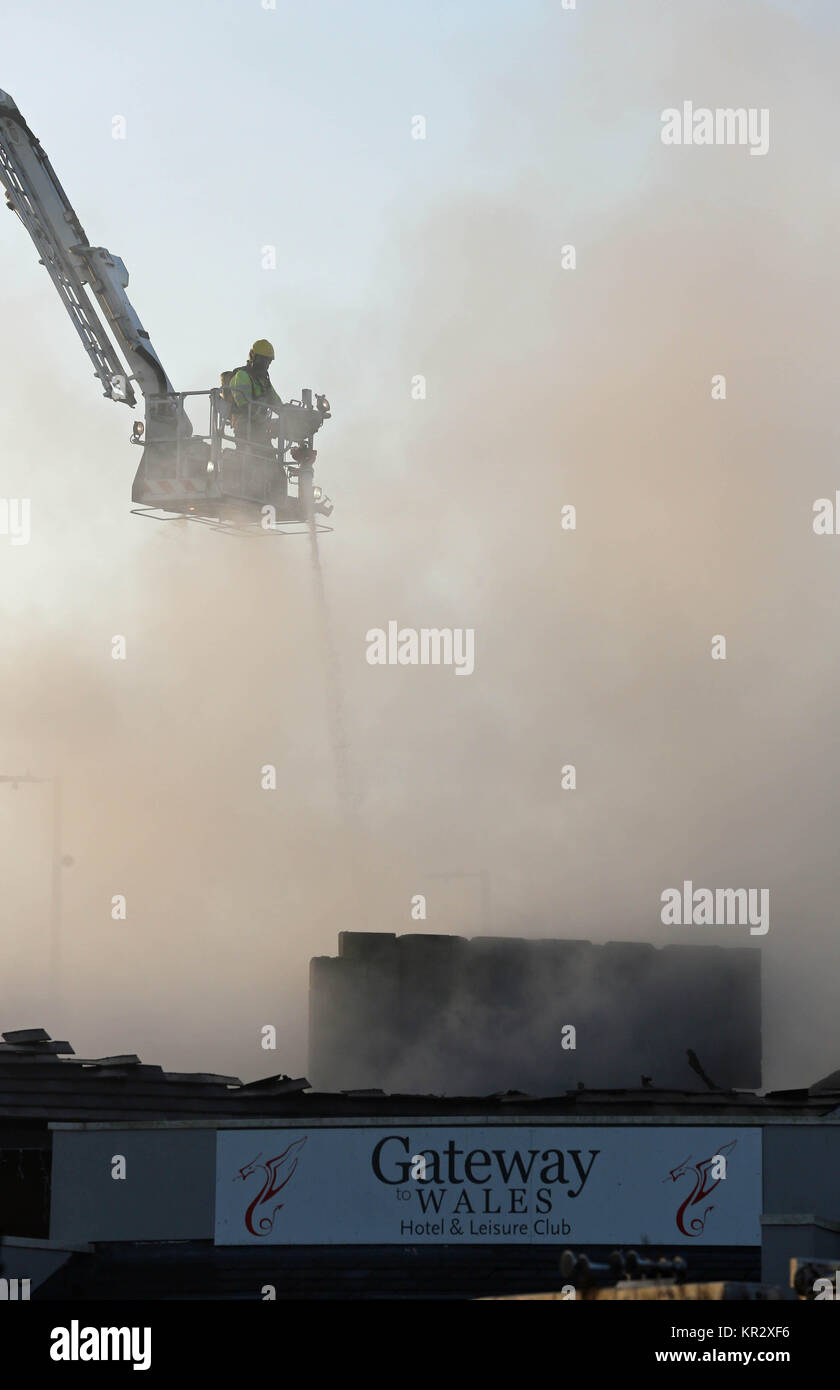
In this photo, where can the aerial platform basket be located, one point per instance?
(260, 479)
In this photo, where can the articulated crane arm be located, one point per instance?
(77, 269)
(217, 476)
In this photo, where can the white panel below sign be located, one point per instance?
(667, 1185)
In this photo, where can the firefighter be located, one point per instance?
(252, 396)
(250, 386)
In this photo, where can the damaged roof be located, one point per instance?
(43, 1080)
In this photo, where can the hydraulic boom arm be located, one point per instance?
(77, 269)
(216, 477)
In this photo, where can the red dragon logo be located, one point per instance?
(702, 1188)
(277, 1172)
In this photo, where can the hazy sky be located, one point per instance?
(291, 128)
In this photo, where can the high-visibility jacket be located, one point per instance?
(246, 388)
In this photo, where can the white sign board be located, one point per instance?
(409, 1184)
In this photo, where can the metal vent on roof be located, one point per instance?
(278, 1084)
(207, 1078)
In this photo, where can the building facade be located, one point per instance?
(473, 1016)
(203, 1187)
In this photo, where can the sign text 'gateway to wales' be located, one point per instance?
(407, 1184)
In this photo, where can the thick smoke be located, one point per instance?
(544, 387)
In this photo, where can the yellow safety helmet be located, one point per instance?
(262, 348)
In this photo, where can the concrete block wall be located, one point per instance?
(452, 1015)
